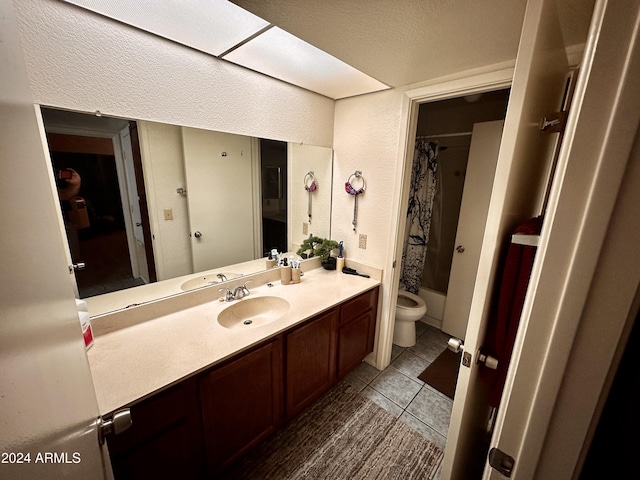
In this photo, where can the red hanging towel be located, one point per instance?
(503, 326)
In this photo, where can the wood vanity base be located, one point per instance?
(204, 424)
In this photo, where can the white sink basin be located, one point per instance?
(253, 312)
(209, 279)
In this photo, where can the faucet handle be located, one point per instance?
(245, 290)
(228, 296)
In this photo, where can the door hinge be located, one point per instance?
(501, 462)
(554, 122)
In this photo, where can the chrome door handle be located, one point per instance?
(455, 345)
(77, 266)
(459, 249)
(197, 234)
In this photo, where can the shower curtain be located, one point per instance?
(423, 188)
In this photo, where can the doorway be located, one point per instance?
(449, 125)
(273, 166)
(93, 218)
(100, 221)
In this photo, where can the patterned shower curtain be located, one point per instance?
(423, 189)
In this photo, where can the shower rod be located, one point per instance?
(443, 135)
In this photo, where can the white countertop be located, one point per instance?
(134, 356)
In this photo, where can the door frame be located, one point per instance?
(490, 79)
(498, 78)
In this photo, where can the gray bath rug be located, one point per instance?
(342, 436)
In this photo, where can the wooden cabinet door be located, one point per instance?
(310, 364)
(357, 329)
(165, 438)
(241, 404)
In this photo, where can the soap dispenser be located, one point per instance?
(285, 272)
(271, 261)
(340, 260)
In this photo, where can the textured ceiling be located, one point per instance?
(402, 42)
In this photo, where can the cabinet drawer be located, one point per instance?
(355, 307)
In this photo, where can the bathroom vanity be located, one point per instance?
(201, 394)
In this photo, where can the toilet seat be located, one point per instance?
(410, 301)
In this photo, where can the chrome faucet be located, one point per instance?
(222, 277)
(238, 293)
(241, 291)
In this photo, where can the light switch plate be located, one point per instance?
(305, 228)
(168, 214)
(362, 241)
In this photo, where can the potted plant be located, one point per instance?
(321, 248)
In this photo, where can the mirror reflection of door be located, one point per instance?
(97, 212)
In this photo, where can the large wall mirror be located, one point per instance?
(152, 210)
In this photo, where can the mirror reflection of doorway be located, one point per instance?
(273, 159)
(94, 217)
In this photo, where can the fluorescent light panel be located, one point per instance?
(281, 55)
(219, 26)
(211, 26)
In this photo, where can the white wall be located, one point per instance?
(366, 139)
(303, 159)
(81, 61)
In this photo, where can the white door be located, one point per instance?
(481, 167)
(571, 275)
(518, 189)
(48, 405)
(219, 210)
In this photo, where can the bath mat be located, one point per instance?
(342, 436)
(442, 373)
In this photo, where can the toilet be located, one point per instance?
(409, 308)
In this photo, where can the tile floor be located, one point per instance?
(398, 389)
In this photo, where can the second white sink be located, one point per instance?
(209, 279)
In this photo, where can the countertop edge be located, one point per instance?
(152, 345)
